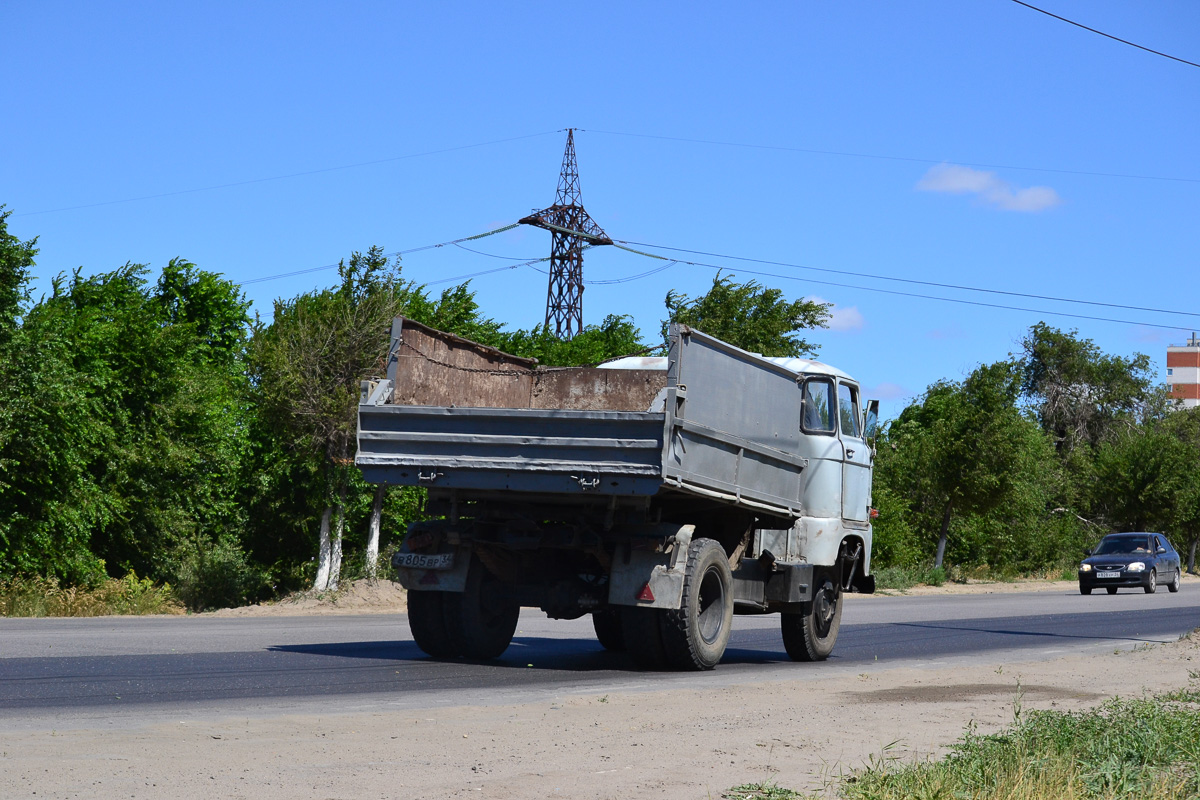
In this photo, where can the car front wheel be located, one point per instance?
(1152, 582)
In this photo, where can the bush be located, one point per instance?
(218, 575)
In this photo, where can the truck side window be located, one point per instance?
(848, 410)
(818, 406)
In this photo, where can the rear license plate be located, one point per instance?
(1108, 574)
(423, 561)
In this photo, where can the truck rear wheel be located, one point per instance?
(607, 623)
(810, 635)
(427, 621)
(696, 635)
(641, 631)
(482, 619)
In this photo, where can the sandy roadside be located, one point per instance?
(679, 744)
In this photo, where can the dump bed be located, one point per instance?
(709, 419)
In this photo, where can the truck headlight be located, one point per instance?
(1085, 567)
(1137, 566)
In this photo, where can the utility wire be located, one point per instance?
(909, 280)
(625, 245)
(1107, 35)
(909, 159)
(456, 242)
(283, 177)
(934, 297)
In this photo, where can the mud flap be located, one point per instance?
(646, 578)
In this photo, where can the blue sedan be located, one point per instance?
(1131, 560)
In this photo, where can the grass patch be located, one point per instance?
(761, 791)
(1145, 747)
(902, 578)
(44, 597)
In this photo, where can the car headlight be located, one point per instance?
(1085, 567)
(1137, 566)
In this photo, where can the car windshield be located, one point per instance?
(1123, 544)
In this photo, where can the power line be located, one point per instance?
(941, 299)
(624, 245)
(283, 177)
(456, 242)
(913, 281)
(850, 154)
(1107, 35)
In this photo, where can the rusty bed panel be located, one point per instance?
(434, 368)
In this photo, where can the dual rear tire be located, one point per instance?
(477, 623)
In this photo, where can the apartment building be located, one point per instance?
(1183, 372)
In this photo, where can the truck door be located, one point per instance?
(823, 449)
(856, 469)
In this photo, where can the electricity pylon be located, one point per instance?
(570, 227)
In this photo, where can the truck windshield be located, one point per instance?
(818, 406)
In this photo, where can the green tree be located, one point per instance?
(964, 450)
(1147, 478)
(307, 365)
(749, 316)
(1081, 394)
(125, 444)
(616, 336)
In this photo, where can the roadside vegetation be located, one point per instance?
(44, 597)
(152, 424)
(1125, 748)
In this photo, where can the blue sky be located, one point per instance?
(979, 144)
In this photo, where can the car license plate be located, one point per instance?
(1108, 574)
(423, 560)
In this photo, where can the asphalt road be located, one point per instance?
(114, 666)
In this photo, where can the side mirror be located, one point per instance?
(871, 421)
(1087, 553)
(1162, 550)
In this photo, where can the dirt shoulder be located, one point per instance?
(683, 744)
(677, 745)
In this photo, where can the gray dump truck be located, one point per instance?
(659, 495)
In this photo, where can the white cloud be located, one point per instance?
(886, 391)
(843, 318)
(990, 189)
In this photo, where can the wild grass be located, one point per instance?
(761, 791)
(45, 597)
(902, 578)
(1131, 748)
(1144, 747)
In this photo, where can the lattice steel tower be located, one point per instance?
(570, 227)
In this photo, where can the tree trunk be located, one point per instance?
(373, 532)
(1192, 557)
(323, 553)
(945, 534)
(339, 527)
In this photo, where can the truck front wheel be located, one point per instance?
(810, 635)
